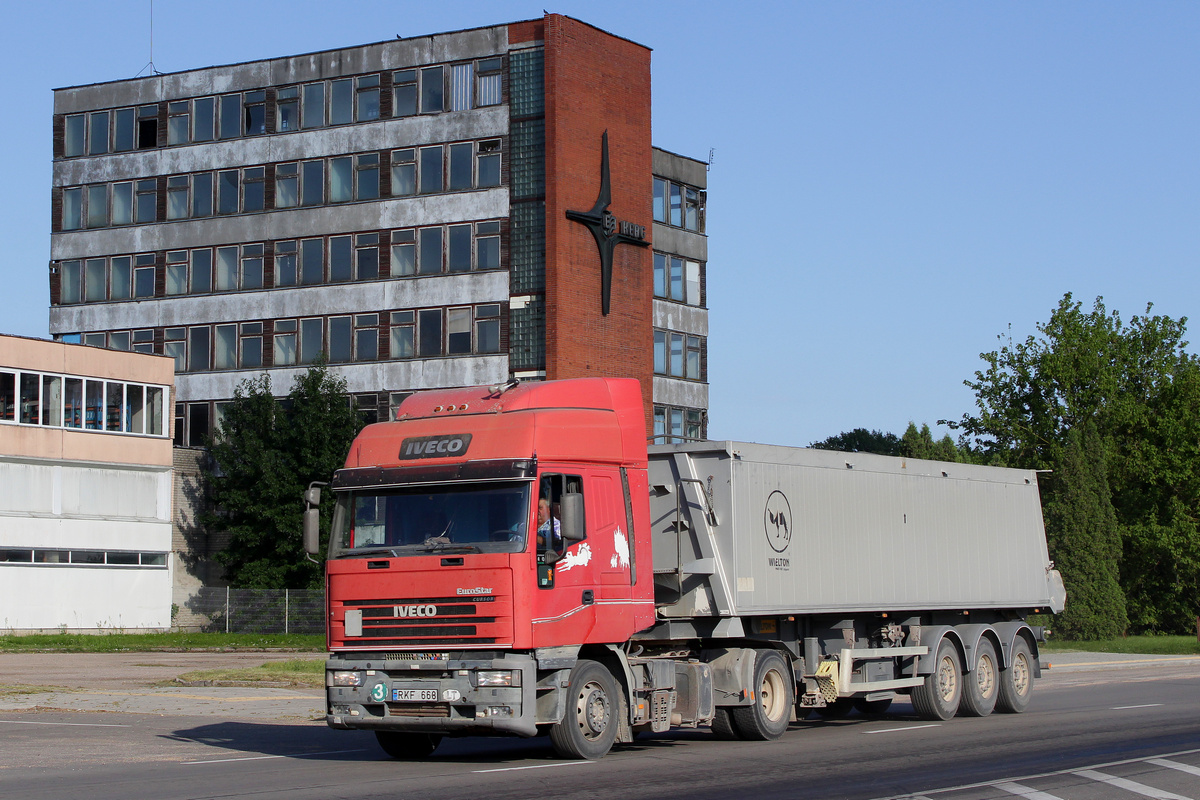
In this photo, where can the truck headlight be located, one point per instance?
(498, 677)
(345, 678)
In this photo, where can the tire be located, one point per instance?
(838, 709)
(722, 725)
(594, 704)
(768, 716)
(872, 708)
(938, 697)
(408, 746)
(982, 684)
(1016, 681)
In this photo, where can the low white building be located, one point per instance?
(85, 487)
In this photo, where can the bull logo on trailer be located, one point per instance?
(777, 521)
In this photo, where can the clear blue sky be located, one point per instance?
(894, 184)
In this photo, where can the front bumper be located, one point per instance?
(425, 694)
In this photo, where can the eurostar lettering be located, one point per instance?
(476, 590)
(435, 446)
(415, 611)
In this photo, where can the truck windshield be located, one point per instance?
(417, 521)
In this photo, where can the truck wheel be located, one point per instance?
(408, 746)
(938, 696)
(722, 725)
(838, 709)
(768, 716)
(593, 709)
(872, 708)
(982, 684)
(1016, 682)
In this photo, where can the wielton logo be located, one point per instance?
(777, 521)
(606, 229)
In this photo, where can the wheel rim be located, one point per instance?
(985, 675)
(1020, 674)
(947, 679)
(772, 695)
(592, 710)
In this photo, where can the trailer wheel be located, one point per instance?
(589, 727)
(1016, 682)
(938, 696)
(722, 725)
(768, 716)
(838, 709)
(982, 684)
(872, 708)
(408, 746)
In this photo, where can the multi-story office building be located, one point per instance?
(444, 210)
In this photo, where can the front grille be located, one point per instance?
(419, 622)
(419, 709)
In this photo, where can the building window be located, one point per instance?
(462, 86)
(341, 259)
(487, 329)
(120, 278)
(35, 398)
(403, 334)
(312, 110)
(458, 248)
(489, 164)
(312, 261)
(230, 123)
(366, 184)
(97, 133)
(404, 172)
(431, 169)
(251, 345)
(677, 279)
(404, 253)
(367, 100)
(310, 339)
(253, 189)
(143, 276)
(366, 256)
(225, 341)
(75, 135)
(312, 183)
(178, 201)
(202, 194)
(201, 272)
(340, 339)
(227, 269)
(487, 245)
(458, 331)
(404, 93)
(177, 267)
(341, 101)
(366, 337)
(678, 205)
(72, 209)
(227, 192)
(124, 130)
(175, 346)
(287, 185)
(287, 109)
(285, 349)
(674, 425)
(429, 332)
(678, 355)
(252, 266)
(489, 81)
(147, 127)
(433, 90)
(285, 264)
(203, 119)
(461, 166)
(179, 122)
(430, 259)
(97, 206)
(255, 111)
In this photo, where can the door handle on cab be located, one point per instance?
(589, 597)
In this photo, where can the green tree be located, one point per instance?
(1138, 386)
(920, 444)
(861, 440)
(265, 454)
(1085, 539)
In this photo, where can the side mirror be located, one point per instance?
(572, 524)
(312, 519)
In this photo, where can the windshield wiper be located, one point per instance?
(440, 544)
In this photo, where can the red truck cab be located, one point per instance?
(448, 596)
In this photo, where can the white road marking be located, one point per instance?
(536, 766)
(1162, 762)
(909, 728)
(1130, 786)
(264, 758)
(1126, 708)
(73, 724)
(1024, 791)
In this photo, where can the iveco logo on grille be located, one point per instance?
(415, 611)
(435, 446)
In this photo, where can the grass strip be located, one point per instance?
(296, 672)
(149, 642)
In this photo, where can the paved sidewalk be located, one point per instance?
(129, 682)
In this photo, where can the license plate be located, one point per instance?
(414, 695)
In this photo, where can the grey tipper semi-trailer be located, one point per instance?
(874, 576)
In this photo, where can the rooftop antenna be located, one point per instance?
(712, 156)
(150, 64)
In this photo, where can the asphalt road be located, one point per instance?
(1098, 728)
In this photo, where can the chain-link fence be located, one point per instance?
(226, 610)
